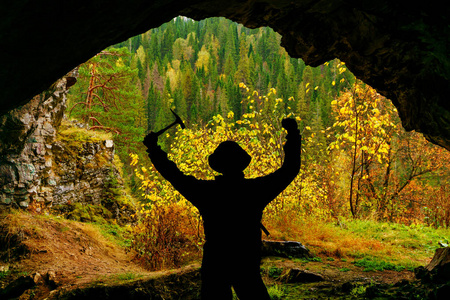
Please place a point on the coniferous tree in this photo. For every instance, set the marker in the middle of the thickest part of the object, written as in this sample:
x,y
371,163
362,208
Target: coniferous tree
x,y
153,103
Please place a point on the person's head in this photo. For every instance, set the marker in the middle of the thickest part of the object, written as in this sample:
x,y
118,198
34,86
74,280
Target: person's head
x,y
229,158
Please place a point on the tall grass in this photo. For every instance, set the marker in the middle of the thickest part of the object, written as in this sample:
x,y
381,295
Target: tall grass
x,y
407,245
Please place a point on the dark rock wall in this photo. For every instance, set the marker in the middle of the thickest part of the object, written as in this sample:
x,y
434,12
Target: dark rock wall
x,y
401,48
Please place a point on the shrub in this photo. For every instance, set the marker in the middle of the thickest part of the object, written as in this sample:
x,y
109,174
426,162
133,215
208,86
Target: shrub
x,y
165,237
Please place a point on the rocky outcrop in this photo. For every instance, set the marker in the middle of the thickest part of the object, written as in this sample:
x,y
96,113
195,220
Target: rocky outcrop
x,y
399,48
79,171
47,162
26,138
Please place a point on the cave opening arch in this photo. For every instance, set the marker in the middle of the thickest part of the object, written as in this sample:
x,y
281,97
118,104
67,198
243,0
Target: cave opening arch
x,y
401,50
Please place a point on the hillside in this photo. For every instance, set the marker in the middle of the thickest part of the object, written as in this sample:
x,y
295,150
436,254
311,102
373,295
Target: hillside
x,y
46,256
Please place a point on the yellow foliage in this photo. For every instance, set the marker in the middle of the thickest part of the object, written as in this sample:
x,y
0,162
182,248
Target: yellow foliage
x,y
261,135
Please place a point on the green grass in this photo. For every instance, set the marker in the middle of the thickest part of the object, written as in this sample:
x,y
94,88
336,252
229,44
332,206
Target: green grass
x,y
401,245
358,290
310,259
272,271
407,246
70,132
126,276
4,274
379,265
117,234
276,291
416,237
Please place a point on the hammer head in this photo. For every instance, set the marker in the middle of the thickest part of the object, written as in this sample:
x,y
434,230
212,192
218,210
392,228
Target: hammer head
x,y
178,119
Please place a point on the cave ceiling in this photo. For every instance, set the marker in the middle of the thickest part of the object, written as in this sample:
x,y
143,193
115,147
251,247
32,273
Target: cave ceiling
x,y
401,48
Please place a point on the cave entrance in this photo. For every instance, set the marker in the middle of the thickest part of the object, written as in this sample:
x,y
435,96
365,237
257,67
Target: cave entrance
x,y
364,180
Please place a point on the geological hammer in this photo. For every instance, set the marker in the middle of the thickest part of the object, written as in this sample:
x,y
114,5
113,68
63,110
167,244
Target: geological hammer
x,y
177,121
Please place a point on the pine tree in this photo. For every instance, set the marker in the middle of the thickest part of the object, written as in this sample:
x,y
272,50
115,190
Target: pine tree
x,y
153,103
243,68
199,58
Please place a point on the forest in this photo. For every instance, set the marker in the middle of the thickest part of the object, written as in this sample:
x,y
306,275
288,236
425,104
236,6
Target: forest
x,y
227,81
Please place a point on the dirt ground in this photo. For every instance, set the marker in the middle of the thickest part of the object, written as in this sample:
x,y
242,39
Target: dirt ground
x,y
61,255
62,252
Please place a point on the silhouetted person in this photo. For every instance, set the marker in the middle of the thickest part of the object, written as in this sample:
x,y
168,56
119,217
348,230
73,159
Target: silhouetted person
x,y
231,207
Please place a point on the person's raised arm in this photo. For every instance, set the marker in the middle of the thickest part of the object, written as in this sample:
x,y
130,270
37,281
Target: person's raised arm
x,y
292,147
272,185
167,168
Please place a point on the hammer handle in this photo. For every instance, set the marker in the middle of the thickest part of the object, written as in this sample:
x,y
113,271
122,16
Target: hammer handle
x,y
263,228
164,129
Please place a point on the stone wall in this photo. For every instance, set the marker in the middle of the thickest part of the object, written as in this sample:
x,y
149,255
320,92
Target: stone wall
x,y
41,167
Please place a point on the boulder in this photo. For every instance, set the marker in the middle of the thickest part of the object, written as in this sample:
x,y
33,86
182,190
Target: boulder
x,y
285,249
300,276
